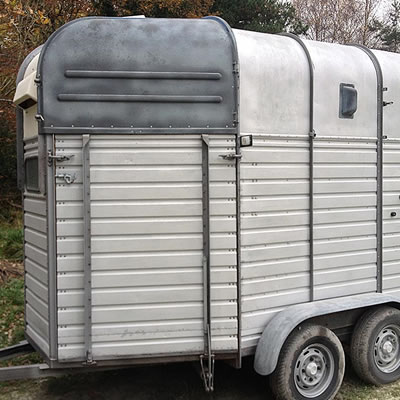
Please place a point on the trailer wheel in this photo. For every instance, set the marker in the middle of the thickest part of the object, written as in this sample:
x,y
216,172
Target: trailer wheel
x,y
310,366
375,346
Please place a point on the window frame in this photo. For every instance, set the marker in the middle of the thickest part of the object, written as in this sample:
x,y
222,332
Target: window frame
x,y
27,187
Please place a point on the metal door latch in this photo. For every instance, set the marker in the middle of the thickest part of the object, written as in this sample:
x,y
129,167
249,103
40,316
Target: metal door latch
x,y
68,178
207,362
207,372
231,157
58,157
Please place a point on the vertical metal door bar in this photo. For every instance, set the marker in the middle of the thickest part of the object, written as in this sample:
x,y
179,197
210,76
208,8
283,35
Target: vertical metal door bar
x,y
87,248
236,124
206,242
312,136
207,369
52,252
379,162
238,253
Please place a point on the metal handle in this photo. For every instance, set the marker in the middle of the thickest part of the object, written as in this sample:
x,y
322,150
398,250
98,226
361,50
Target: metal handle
x,y
393,214
57,157
61,157
230,157
68,178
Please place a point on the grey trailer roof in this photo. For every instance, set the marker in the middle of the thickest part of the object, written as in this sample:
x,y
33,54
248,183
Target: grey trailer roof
x,y
124,75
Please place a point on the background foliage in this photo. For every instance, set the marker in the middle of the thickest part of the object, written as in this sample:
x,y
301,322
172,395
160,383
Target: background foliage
x,y
25,24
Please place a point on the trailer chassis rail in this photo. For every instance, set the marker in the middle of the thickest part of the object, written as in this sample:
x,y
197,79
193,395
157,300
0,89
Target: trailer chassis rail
x,y
34,371
24,371
37,371
16,350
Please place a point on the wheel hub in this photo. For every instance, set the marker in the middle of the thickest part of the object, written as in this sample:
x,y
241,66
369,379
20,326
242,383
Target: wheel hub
x,y
387,349
314,370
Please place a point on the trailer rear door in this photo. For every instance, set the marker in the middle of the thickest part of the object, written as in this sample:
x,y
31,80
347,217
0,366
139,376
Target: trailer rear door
x,y
142,290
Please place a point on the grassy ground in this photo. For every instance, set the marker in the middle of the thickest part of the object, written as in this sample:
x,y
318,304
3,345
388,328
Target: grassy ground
x,y
172,382
11,234
12,287
11,312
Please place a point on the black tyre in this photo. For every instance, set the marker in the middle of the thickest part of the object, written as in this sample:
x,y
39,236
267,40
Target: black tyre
x,y
310,366
375,346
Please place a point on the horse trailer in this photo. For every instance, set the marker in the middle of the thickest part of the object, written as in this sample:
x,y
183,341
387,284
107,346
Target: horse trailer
x,y
196,193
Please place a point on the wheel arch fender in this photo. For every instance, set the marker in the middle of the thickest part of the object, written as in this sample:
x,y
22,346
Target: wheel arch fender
x,y
283,323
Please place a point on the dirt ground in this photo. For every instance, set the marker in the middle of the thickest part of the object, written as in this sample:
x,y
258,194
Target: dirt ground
x,y
171,382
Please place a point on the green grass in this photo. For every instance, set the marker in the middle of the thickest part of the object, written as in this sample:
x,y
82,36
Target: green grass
x,y
11,235
12,291
12,324
354,389
12,312
11,242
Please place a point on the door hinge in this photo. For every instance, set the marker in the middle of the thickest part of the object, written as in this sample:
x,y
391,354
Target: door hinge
x,y
235,119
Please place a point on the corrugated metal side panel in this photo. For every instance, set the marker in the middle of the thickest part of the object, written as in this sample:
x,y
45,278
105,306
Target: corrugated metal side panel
x,y
275,225
275,230
224,324
345,218
391,224
146,247
36,263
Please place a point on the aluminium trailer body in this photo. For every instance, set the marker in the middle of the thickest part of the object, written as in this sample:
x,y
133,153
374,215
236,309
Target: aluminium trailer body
x,y
189,189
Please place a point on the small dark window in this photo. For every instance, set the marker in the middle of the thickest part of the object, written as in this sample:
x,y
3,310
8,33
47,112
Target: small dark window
x,y
348,101
32,174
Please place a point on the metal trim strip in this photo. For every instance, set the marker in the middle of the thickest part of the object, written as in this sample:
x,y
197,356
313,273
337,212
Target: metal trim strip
x,y
52,253
206,243
135,98
393,140
379,178
87,249
214,76
312,136
70,130
316,138
236,74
